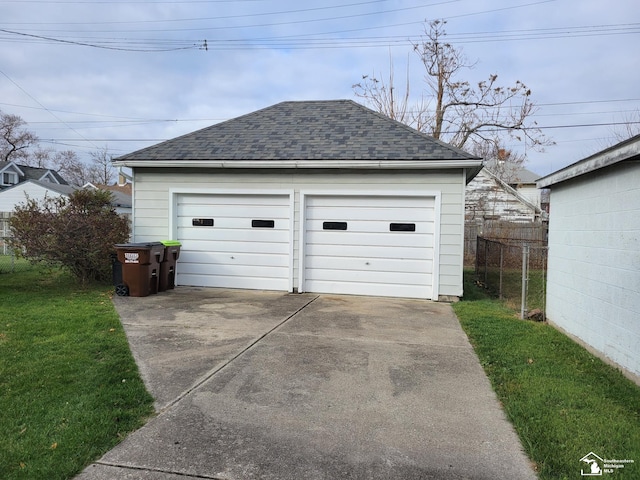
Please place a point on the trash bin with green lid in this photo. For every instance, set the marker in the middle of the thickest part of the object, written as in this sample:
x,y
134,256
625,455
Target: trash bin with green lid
x,y
140,266
168,265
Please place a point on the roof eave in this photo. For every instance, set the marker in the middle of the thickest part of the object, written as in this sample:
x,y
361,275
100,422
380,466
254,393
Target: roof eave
x,y
471,163
618,153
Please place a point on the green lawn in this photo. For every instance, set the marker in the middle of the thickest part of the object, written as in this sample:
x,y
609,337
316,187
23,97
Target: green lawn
x,y
562,401
69,387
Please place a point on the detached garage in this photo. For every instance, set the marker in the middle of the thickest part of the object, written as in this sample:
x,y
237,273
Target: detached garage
x,y
324,196
593,279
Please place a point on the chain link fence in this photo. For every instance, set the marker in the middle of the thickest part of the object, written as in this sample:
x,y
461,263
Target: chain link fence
x,y
515,273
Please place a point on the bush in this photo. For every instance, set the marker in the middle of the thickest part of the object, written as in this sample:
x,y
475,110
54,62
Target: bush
x,y
76,232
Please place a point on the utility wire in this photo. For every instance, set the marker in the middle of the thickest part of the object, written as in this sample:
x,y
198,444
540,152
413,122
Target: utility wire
x,y
45,108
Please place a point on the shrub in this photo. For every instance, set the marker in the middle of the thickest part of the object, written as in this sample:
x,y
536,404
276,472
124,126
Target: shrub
x,y
77,233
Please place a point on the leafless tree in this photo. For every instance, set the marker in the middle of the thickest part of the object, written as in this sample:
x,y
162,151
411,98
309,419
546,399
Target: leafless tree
x,y
15,139
102,170
71,168
475,117
630,127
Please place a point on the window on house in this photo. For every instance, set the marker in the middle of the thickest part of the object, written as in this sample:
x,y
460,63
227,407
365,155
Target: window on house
x,y
9,178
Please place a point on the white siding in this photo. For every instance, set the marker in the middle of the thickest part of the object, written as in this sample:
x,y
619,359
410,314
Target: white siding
x,y
14,196
152,196
594,262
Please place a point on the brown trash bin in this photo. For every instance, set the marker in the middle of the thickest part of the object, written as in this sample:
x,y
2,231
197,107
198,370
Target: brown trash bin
x,y
140,266
168,265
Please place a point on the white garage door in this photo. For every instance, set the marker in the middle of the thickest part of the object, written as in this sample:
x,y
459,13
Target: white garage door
x,y
369,245
234,241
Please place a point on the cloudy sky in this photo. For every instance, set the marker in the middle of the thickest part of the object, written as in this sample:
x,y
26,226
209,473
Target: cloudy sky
x,y
89,74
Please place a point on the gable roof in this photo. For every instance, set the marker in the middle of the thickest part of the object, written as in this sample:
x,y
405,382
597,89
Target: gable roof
x,y
515,194
303,134
32,173
627,150
54,187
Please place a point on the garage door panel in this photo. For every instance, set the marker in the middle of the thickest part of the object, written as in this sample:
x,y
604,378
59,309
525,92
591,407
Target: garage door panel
x,y
235,270
371,252
378,240
361,226
369,256
280,222
219,281
234,212
232,235
381,290
250,199
227,248
234,247
355,201
373,214
223,258
369,264
369,276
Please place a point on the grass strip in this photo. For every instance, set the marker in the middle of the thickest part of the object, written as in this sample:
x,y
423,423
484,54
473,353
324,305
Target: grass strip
x,y
563,402
69,387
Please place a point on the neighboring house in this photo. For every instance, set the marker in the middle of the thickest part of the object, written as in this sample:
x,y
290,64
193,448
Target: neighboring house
x,y
523,181
21,183
319,196
490,198
593,287
12,174
121,195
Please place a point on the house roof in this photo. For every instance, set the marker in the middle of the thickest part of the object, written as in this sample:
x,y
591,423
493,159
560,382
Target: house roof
x,y
33,173
120,197
54,187
525,176
627,150
340,133
120,194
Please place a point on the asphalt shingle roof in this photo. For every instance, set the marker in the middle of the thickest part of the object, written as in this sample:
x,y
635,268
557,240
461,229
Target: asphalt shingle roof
x,y
309,130
34,173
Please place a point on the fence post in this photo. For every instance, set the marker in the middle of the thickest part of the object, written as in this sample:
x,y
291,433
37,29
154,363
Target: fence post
x,y
525,280
477,250
501,268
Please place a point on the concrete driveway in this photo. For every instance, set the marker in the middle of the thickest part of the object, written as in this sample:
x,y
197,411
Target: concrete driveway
x,y
285,386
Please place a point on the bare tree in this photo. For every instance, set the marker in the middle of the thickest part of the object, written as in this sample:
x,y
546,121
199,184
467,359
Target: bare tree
x,y
15,140
472,116
629,128
71,168
102,170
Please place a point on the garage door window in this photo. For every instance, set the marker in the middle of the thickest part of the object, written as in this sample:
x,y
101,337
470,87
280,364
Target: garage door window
x,y
334,225
202,222
263,223
402,227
